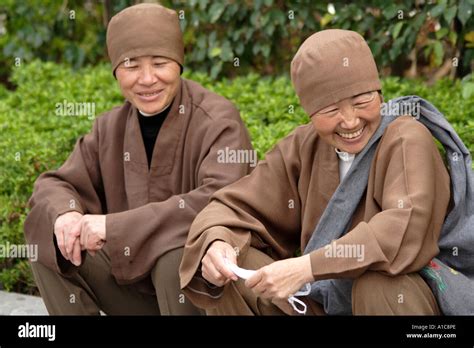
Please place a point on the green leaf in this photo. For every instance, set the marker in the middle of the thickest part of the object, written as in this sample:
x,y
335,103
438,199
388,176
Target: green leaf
x,y
450,13
390,11
438,52
441,33
464,11
453,36
419,20
216,69
256,48
437,10
239,49
396,29
269,29
212,38
468,90
227,53
201,41
266,50
427,51
215,52
395,50
216,10
254,19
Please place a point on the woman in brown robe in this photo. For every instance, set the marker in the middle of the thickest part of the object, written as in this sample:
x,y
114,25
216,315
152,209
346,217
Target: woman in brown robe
x,y
131,188
263,221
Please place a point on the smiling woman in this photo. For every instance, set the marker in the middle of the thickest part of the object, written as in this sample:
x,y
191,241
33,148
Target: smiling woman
x,y
351,180
149,83
122,204
349,124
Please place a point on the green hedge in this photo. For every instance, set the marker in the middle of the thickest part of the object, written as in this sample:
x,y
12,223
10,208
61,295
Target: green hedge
x,y
33,139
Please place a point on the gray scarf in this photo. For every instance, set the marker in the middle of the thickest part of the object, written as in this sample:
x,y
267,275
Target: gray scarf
x,y
451,274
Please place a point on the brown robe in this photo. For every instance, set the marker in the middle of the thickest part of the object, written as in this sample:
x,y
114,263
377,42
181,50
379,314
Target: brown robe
x,y
276,208
149,211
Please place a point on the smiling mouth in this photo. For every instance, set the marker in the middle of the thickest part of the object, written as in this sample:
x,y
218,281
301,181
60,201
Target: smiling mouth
x,y
351,135
149,94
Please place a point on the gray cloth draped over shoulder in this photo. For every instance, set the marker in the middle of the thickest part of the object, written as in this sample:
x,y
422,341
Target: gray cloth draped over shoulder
x,y
451,274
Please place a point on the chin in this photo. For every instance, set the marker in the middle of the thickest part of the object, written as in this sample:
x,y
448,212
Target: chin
x,y
353,149
150,109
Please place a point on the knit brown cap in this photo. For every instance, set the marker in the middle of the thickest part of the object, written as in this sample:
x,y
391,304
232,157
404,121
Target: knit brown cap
x,y
142,30
332,65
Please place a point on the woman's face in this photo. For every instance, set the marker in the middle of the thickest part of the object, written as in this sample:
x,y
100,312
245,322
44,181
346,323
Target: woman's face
x,y
149,83
349,124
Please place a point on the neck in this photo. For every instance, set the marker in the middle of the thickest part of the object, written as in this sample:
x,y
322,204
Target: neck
x,y
159,112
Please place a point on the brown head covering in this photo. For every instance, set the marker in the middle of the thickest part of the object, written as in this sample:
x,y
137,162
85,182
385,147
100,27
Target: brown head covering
x,y
144,29
332,65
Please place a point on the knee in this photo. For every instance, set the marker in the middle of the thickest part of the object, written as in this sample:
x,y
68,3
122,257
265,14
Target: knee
x,y
255,259
370,283
374,293
167,266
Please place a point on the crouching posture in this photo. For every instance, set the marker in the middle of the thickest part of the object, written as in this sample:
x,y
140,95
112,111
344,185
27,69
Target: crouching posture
x,y
352,203
112,221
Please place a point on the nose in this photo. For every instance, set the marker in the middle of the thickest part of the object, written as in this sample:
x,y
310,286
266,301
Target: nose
x,y
147,76
349,117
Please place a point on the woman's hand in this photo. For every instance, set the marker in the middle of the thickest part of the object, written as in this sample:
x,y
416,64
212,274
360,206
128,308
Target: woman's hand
x,y
93,233
67,237
214,268
281,279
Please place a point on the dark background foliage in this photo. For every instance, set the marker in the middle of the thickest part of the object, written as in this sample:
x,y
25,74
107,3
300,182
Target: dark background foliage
x,y
408,38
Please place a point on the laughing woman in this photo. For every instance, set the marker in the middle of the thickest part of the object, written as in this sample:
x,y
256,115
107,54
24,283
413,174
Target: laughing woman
x,y
362,195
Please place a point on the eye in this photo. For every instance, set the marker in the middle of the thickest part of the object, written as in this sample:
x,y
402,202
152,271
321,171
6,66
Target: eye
x,y
362,103
130,65
363,99
329,111
158,64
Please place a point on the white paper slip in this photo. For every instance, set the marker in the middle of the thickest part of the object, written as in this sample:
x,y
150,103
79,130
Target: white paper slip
x,y
240,272
298,305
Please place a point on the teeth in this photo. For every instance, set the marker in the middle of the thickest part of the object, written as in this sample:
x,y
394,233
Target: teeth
x,y
149,94
351,135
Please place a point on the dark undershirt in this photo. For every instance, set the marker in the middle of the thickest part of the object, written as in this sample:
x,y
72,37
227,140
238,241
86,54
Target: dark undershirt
x,y
150,127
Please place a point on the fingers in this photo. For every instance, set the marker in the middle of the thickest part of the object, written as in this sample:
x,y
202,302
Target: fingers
x,y
95,246
214,263
84,236
66,227
71,236
263,290
211,273
93,232
59,233
260,284
254,280
76,253
219,263
273,281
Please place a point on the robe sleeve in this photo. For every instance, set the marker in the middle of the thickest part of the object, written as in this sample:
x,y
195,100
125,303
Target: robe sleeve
x,y
138,237
75,186
243,214
412,190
